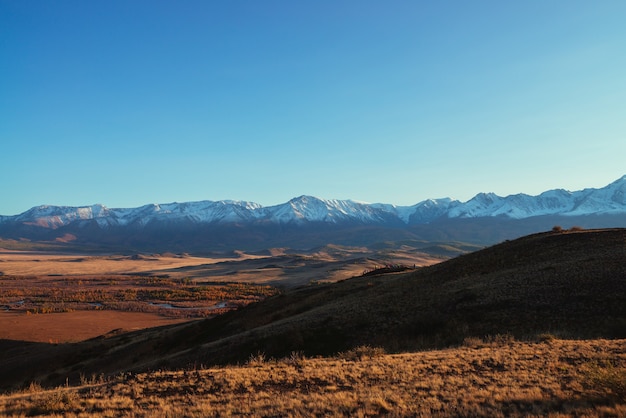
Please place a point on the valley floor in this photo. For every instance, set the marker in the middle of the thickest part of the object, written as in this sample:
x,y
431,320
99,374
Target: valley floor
x,y
500,377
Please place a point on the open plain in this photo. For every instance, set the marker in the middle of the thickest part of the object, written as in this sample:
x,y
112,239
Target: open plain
x,y
59,297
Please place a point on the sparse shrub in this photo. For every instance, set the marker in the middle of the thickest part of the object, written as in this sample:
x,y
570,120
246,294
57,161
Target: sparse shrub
x,y
606,379
545,337
576,228
295,358
55,402
34,387
557,228
257,359
473,342
95,379
362,352
499,340
122,377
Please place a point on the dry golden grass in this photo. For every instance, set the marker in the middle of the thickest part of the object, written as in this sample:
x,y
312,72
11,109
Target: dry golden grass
x,y
17,263
503,377
290,270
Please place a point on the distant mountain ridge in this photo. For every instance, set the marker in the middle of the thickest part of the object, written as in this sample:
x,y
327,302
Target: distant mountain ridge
x,y
307,221
607,200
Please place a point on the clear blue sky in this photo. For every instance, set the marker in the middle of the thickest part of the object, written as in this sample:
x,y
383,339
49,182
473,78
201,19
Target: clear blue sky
x,y
132,102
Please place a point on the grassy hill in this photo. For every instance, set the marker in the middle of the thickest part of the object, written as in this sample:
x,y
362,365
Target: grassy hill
x,y
499,378
568,284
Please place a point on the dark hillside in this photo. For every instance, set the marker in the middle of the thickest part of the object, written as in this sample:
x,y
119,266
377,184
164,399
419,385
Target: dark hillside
x,y
570,284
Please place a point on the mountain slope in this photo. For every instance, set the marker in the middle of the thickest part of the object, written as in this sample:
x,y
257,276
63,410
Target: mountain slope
x,y
571,284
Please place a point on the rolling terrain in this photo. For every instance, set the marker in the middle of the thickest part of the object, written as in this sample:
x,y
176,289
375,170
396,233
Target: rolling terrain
x,y
567,284
58,297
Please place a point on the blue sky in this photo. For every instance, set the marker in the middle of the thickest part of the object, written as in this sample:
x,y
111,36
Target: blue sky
x,y
132,102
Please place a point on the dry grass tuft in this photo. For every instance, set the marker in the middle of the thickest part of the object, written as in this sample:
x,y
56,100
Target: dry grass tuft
x,y
606,378
55,402
362,352
257,359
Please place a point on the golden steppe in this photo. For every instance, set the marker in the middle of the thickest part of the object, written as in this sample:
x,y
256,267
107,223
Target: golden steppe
x,y
238,267
18,263
496,378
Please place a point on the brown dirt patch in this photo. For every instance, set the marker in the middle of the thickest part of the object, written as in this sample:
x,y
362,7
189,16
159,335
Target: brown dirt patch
x,y
74,326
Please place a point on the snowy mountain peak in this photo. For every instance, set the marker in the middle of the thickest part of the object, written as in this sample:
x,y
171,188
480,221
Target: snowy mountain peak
x,y
312,209
305,209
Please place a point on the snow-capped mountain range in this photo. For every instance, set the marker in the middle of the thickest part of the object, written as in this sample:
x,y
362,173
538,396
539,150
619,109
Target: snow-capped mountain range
x,y
306,209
